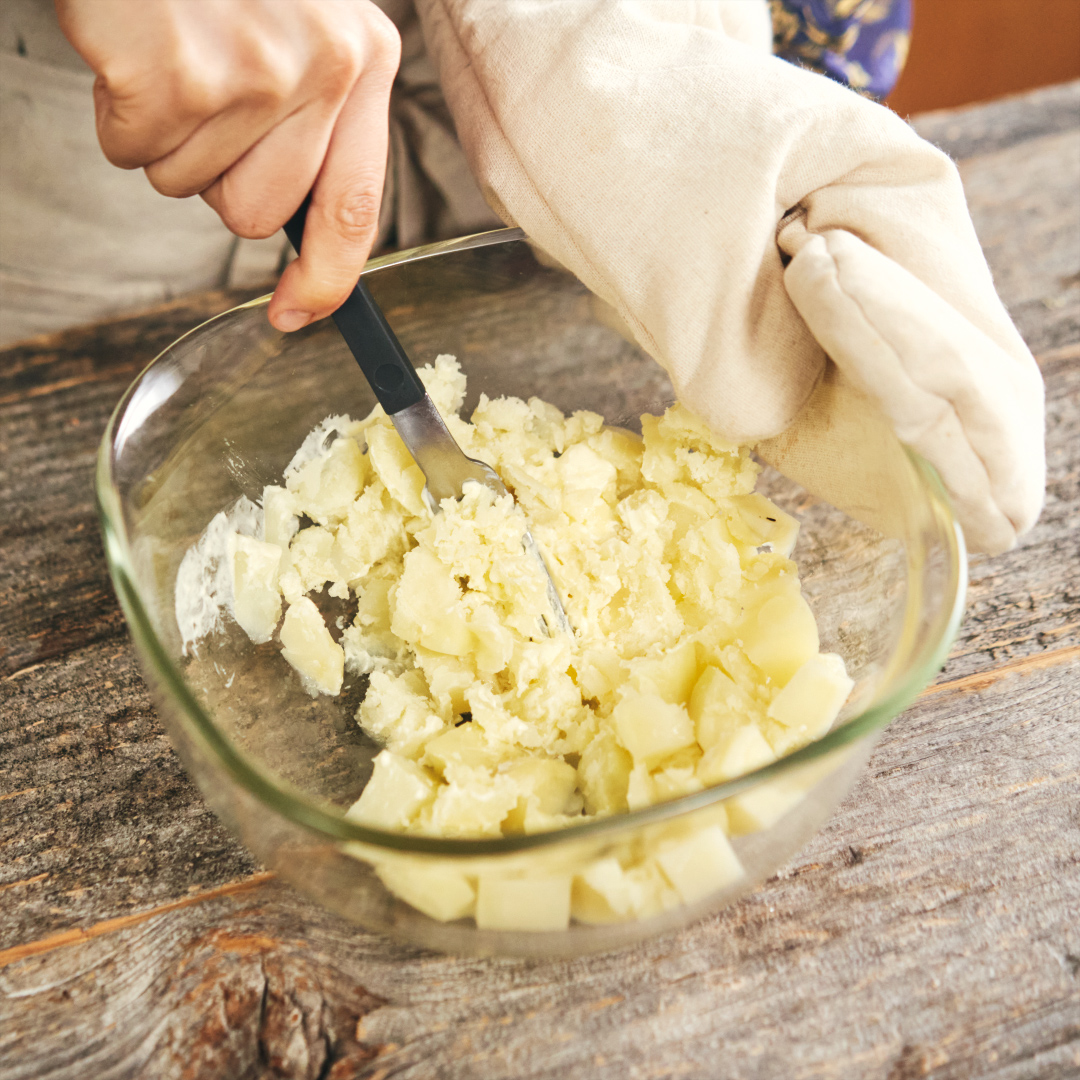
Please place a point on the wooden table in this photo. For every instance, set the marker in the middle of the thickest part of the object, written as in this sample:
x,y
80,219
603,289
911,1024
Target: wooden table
x,y
932,928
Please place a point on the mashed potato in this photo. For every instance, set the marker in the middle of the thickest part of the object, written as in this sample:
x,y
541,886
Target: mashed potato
x,y
693,658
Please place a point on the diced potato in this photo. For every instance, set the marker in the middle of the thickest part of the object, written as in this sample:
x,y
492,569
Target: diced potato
x,y
371,533
718,707
394,795
309,648
394,466
550,782
590,907
525,903
676,780
493,643
707,570
599,672
280,520
445,382
581,425
680,447
604,772
759,521
311,555
474,803
582,469
464,745
603,893
341,477
737,752
645,513
671,675
623,449
652,892
763,805
640,789
651,728
427,606
449,678
256,597
811,700
701,864
781,636
439,893
398,712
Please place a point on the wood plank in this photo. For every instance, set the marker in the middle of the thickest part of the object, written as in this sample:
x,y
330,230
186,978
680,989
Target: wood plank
x,y
930,928
1028,599
1028,221
99,815
56,395
999,125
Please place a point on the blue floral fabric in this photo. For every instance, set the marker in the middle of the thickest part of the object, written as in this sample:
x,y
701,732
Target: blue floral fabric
x,y
861,43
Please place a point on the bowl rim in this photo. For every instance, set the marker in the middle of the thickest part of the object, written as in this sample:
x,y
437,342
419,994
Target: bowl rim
x,y
327,819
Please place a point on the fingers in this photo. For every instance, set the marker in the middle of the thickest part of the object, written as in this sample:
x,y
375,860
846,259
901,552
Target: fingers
x,y
263,189
343,219
150,90
253,103
218,144
276,100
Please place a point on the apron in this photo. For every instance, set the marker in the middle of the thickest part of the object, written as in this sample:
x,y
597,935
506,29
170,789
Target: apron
x,y
81,240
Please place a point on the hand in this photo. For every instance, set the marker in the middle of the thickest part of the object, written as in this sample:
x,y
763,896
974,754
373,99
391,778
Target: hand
x,y
755,226
251,104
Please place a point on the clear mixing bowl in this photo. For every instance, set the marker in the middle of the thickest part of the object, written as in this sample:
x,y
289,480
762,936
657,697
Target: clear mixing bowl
x,y
220,413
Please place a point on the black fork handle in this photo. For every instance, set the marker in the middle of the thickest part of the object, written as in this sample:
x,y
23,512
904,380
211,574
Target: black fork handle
x,y
385,364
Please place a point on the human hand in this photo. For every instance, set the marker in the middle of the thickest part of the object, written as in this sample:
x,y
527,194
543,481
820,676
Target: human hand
x,y
251,104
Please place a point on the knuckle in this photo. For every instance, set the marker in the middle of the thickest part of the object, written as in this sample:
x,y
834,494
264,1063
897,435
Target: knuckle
x,y
243,216
339,65
166,183
270,80
385,44
198,95
118,152
355,216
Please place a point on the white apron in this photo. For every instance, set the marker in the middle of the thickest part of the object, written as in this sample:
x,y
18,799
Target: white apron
x,y
81,240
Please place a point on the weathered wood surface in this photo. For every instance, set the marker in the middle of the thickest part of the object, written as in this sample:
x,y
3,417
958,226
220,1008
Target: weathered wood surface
x,y
933,928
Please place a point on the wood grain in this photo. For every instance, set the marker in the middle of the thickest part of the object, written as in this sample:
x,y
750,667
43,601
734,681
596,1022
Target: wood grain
x,y
978,130
56,395
930,929
925,930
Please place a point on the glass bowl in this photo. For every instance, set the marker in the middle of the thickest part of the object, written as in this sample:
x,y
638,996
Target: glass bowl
x,y
219,415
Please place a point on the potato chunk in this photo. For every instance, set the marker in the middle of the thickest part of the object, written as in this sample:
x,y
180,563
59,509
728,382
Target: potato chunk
x,y
736,752
439,893
603,893
524,903
651,728
701,864
308,646
256,598
427,606
672,675
814,696
394,795
781,636
718,706
762,806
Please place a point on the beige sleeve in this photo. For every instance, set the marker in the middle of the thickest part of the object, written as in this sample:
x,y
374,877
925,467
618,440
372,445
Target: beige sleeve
x,y
653,148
